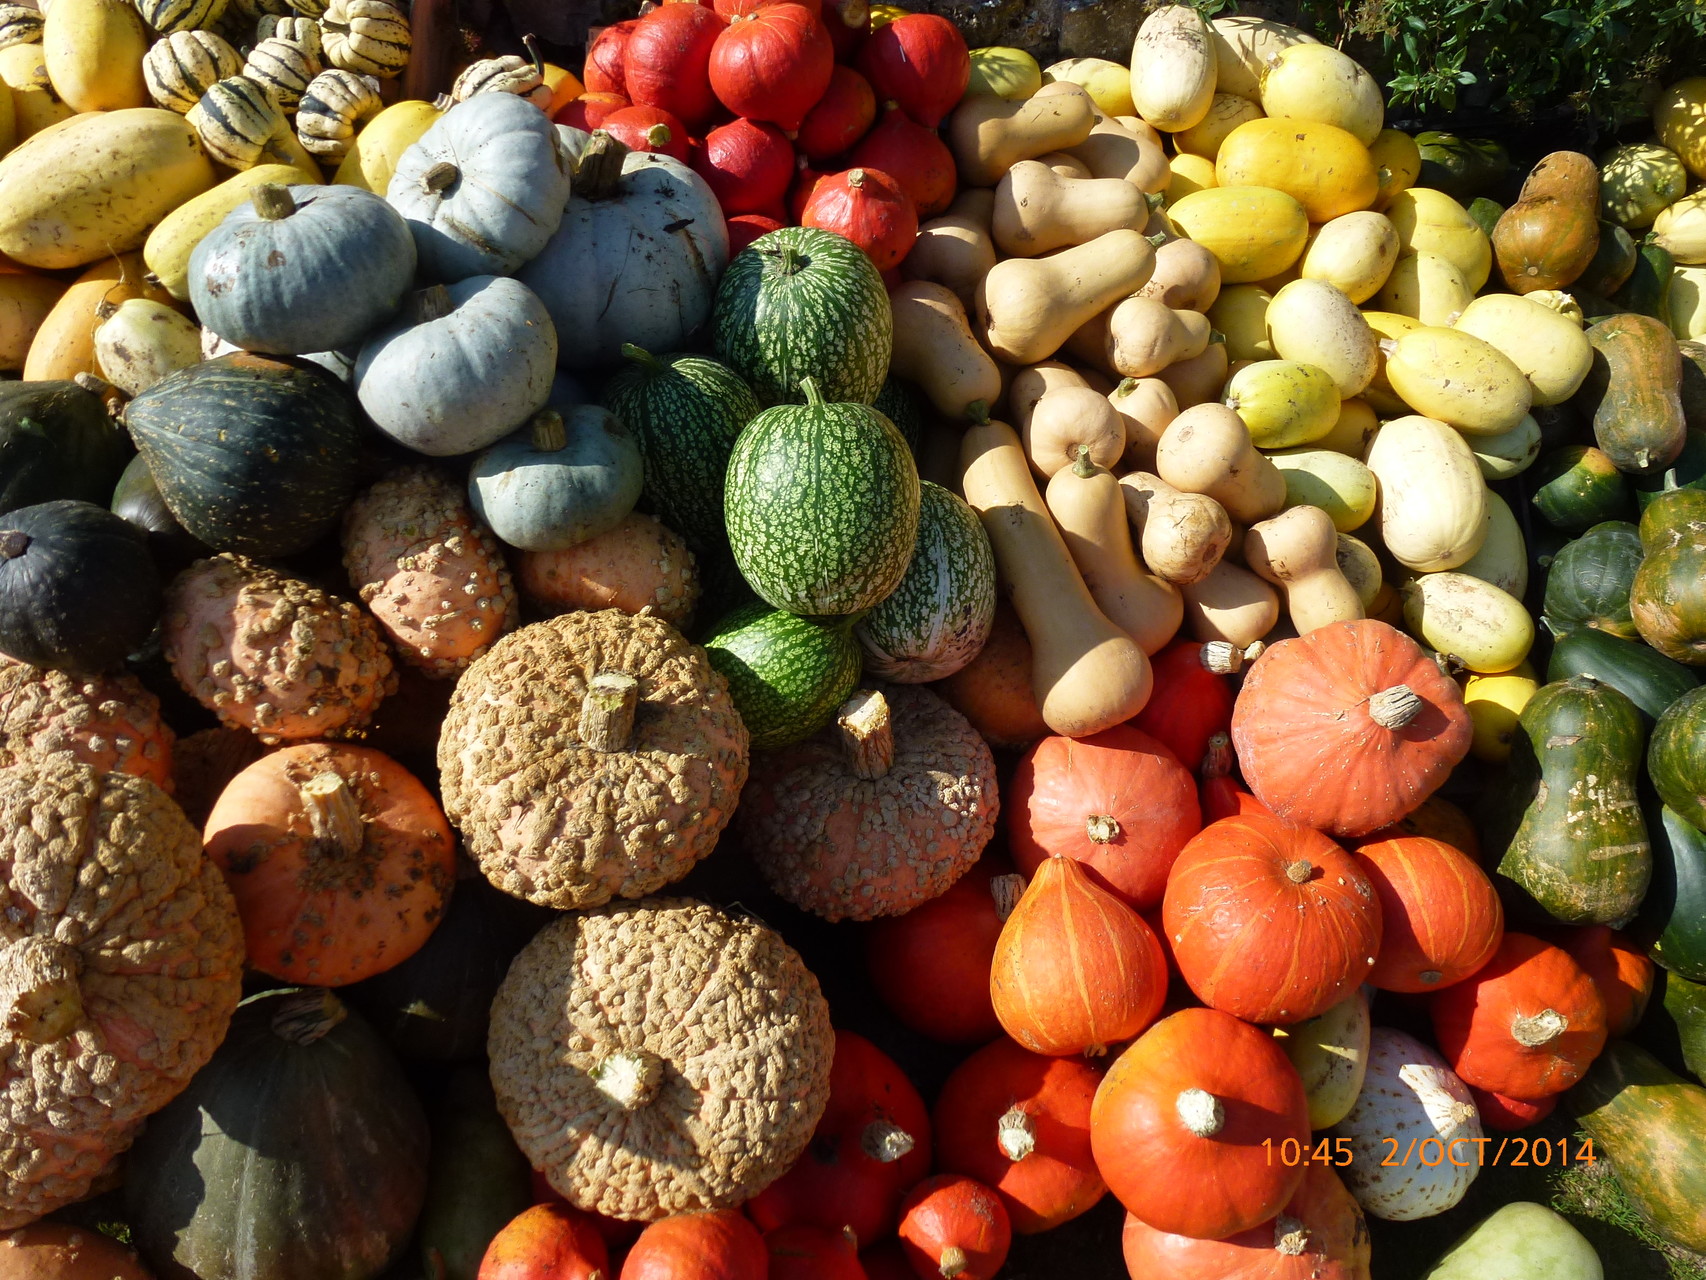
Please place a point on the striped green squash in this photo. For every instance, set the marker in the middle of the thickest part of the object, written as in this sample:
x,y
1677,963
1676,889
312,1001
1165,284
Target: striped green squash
x,y
821,504
787,675
687,411
903,404
804,303
937,620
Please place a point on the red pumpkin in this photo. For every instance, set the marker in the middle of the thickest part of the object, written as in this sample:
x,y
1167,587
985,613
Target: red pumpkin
x,y
1348,728
1440,915
841,117
801,1252
732,9
747,165
917,157
1527,1025
871,1145
804,183
1075,968
919,61
773,65
1193,698
1622,973
590,110
849,23
548,1240
603,72
1186,1122
1270,922
869,208
886,1262
648,129
1117,801
667,61
744,228
716,1244
1319,1235
952,1226
1217,793
1020,1123
1509,1114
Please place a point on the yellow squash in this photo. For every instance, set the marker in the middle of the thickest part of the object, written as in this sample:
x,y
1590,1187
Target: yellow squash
x,y
35,105
1494,703
1322,166
1255,232
372,157
93,50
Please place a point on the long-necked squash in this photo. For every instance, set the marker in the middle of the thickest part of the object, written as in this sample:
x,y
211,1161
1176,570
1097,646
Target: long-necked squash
x,y
1297,551
1634,391
988,135
1068,419
1114,151
1182,535
1028,307
1032,383
1147,405
1207,449
1230,603
934,348
956,249
1038,210
1145,336
1199,379
1550,235
1088,674
1433,506
64,346
1186,276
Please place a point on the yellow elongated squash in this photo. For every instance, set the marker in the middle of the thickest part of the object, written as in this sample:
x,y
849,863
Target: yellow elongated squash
x,y
1173,68
1255,232
1321,166
93,50
168,247
372,157
34,103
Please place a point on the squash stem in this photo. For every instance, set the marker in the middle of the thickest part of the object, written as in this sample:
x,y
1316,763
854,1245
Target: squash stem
x,y
1101,828
531,43
885,1142
303,1016
1299,872
440,177
41,1000
1222,657
1006,890
630,1078
547,431
1016,1133
1395,707
640,356
1291,1237
13,543
599,169
607,711
954,1262
867,734
1540,1028
273,201
808,386
431,304
334,814
659,135
1200,1112
1217,757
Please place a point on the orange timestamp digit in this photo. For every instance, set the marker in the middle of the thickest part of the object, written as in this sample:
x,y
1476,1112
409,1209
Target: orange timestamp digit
x,y
1326,1151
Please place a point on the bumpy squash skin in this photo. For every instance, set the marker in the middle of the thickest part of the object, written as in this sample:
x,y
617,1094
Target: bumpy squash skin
x,y
1633,391
1565,823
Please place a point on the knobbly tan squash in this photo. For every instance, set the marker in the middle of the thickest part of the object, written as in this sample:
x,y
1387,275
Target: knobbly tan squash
x,y
1201,378
1186,276
1030,384
1114,151
1145,335
934,348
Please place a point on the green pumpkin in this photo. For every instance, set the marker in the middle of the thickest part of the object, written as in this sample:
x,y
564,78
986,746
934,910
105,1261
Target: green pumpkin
x,y
1578,486
1651,680
57,440
1687,472
1463,168
787,675
1674,1027
1668,597
477,1178
1520,1241
137,498
1673,914
1676,757
1588,583
903,404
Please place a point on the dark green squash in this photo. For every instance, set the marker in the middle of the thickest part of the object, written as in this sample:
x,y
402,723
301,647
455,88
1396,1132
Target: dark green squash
x,y
1693,381
1461,167
1588,582
137,498
1648,1121
1563,821
1578,486
1676,757
787,675
1673,914
903,404
1676,1030
78,589
1633,389
1613,262
252,453
1651,680
1668,598
1485,213
1560,424
298,1153
477,1178
1648,287
1687,472
57,440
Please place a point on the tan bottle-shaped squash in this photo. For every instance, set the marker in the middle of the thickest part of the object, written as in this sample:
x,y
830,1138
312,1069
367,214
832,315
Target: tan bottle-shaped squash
x,y
1433,501
1031,383
1063,164
1088,674
1173,68
1068,419
1230,603
1207,449
956,249
1028,307
1146,335
989,135
1186,276
1088,506
1147,406
64,345
26,300
1181,536
934,349
93,50
1037,210
1297,551
1201,378
1114,151
35,105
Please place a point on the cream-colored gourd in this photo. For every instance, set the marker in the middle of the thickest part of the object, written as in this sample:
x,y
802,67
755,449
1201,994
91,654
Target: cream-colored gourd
x,y
1145,336
1240,313
168,247
1508,453
1186,277
1108,83
1425,287
1028,307
93,51
1433,502
1230,603
989,135
1207,449
1685,303
1201,378
1355,427
1297,551
956,249
1064,165
1181,536
1173,68
1379,392
1680,230
1557,300
1066,419
1330,1052
1503,557
1188,173
1030,384
1088,508
1638,181
1254,232
1317,82
1429,221
1243,48
1114,151
143,341
1225,113
1323,167
1086,673
1458,378
1361,568
1341,486
1486,629
1037,210
1284,403
1354,253
1312,322
1147,406
934,349
1397,163
35,105
1550,349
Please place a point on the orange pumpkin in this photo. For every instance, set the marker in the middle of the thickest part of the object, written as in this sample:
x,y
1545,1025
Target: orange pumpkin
x,y
1441,919
1509,1114
1348,728
1621,971
715,1244
547,1240
954,1226
1437,818
1270,922
800,1251
340,860
993,690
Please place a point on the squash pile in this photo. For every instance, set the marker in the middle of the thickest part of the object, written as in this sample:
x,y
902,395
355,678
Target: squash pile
x,y
1210,622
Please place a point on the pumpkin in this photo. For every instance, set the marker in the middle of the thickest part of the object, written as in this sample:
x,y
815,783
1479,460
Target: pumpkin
x,y
1510,1114
919,160
840,117
744,228
56,441
1208,1099
1019,1123
562,479
649,129
367,37
78,589
546,1240
334,106
1193,698
638,563
919,61
81,980
1621,971
585,113
1270,922
483,189
295,1066
1116,801
605,54
1526,1025
111,723
63,1251
1075,969
748,166
954,1226
1348,728
1440,915
867,207
666,62
773,64
800,1251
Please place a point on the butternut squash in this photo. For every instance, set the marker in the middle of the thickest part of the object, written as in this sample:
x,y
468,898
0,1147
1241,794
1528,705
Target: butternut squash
x,y
64,345
1253,231
1030,384
93,50
1354,253
989,135
935,350
1297,551
1201,378
1456,377
1551,234
35,104
1087,674
1318,83
1230,603
1186,277
1425,287
956,249
26,300
1432,509
1067,419
168,247
1146,406
1207,449
1321,166
1037,210
1028,307
1173,68
1061,163
1313,322
1182,536
1114,151
1146,335
1429,221
1243,48
1225,113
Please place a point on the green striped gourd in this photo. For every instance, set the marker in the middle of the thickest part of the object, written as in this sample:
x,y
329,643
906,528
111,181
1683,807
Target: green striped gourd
x,y
903,404
787,675
821,504
368,37
235,120
937,620
802,303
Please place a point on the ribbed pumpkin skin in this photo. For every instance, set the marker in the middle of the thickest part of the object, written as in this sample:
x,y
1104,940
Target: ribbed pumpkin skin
x,y
1588,583
1620,971
1255,943
1676,757
252,454
1440,916
787,675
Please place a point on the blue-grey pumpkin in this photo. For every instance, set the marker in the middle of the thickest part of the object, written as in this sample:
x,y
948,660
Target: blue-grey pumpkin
x,y
466,364
483,189
568,476
302,268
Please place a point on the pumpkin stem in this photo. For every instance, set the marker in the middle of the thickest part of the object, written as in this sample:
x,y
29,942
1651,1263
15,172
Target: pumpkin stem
x,y
303,1016
978,412
607,711
1216,337
1540,1028
1158,239
429,304
39,991
640,356
273,201
1222,657
1217,757
1083,465
659,135
1016,1133
13,543
599,167
1006,890
89,382
334,814
1299,871
531,44
547,431
954,1262
1200,1112
1101,828
1395,707
856,178
440,177
105,309
853,13
814,397
885,1142
1291,1237
630,1078
867,734
1387,346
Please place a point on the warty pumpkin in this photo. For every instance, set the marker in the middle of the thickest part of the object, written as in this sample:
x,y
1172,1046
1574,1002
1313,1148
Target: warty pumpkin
x,y
110,722
61,1249
638,563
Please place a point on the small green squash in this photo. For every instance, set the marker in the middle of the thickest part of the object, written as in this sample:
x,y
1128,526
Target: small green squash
x,y
137,498
1647,289
477,1178
1588,584
1520,1241
1651,680
1668,598
1633,391
562,479
57,441
1676,757
1330,1052
1613,262
787,675
1673,914
1687,472
1675,1025
1578,486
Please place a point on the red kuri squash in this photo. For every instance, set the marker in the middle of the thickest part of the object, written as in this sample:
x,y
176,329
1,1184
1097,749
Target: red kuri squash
x,y
1508,1114
1440,915
744,228
590,110
841,117
1438,819
954,1228
804,1252
648,129
773,65
667,61
869,208
732,9
916,156
919,61
805,180
849,23
548,1240
715,1244
747,165
1620,970
604,55
1193,697
887,1262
